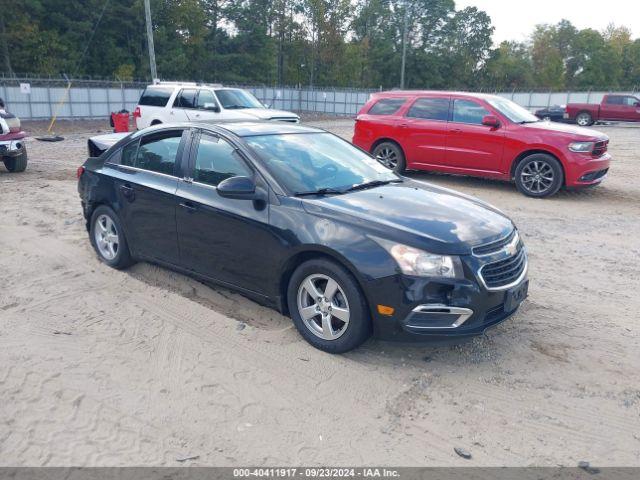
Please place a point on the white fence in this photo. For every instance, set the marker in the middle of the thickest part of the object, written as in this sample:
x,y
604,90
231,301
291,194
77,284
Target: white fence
x,y
91,100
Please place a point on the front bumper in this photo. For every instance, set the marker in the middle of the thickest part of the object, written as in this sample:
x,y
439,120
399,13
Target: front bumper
x,y
426,307
584,170
11,148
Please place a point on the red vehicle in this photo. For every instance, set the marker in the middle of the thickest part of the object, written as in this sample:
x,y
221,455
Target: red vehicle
x,y
621,108
480,135
13,151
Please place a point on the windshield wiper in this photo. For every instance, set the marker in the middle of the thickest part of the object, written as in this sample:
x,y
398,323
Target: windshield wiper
x,y
529,121
320,191
371,184
236,107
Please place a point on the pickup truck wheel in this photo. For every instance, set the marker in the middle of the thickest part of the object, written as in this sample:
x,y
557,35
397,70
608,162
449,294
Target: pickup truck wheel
x,y
539,175
391,156
108,240
584,119
16,164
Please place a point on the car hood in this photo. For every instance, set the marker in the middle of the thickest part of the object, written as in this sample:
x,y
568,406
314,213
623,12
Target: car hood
x,y
421,215
566,129
269,114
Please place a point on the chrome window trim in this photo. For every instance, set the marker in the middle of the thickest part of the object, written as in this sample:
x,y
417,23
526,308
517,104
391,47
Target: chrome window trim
x,y
137,169
464,315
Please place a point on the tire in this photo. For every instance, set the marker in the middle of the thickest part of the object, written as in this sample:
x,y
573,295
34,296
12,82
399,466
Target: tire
x,y
17,164
155,122
539,175
584,119
344,331
391,156
116,256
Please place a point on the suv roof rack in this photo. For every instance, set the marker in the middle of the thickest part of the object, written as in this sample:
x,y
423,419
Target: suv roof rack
x,y
190,84
176,83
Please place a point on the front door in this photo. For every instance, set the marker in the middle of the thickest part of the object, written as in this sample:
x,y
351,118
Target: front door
x,y
206,108
472,146
423,133
146,183
228,240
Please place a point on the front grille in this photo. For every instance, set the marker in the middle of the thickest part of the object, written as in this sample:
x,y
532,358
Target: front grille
x,y
600,148
493,247
504,272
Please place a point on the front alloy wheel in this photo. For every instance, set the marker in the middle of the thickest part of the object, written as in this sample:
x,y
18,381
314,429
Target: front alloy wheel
x,y
327,306
539,175
323,306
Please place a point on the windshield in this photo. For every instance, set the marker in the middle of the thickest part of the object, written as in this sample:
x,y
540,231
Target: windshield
x,y
309,162
233,99
512,110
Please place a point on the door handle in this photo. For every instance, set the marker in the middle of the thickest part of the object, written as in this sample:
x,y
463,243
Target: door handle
x,y
403,125
128,192
456,130
189,207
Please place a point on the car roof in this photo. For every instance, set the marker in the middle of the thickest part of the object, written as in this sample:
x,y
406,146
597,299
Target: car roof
x,y
238,128
176,86
433,93
249,129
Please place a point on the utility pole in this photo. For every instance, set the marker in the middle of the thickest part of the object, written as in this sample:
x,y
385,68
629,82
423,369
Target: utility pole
x,y
152,53
404,42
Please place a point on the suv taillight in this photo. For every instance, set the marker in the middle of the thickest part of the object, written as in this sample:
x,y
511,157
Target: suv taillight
x,y
136,113
79,172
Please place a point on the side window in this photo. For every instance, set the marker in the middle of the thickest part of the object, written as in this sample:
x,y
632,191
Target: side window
x,y
186,99
467,111
612,100
430,109
630,101
128,156
387,106
155,96
217,160
206,99
158,152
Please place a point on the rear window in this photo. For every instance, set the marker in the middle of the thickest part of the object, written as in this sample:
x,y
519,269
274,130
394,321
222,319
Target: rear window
x,y
155,96
387,106
430,109
186,99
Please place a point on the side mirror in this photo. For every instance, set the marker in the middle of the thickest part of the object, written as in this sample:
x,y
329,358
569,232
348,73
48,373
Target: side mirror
x,y
212,106
637,104
491,121
239,188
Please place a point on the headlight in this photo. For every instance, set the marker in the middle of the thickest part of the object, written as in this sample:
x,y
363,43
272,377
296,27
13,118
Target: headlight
x,y
413,261
581,147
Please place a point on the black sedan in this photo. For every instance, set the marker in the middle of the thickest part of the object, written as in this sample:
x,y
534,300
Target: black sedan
x,y
301,220
554,113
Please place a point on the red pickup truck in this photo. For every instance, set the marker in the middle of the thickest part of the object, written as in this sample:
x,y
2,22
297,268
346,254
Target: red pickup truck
x,y
621,108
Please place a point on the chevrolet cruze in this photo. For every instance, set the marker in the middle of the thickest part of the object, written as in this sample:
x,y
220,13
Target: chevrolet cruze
x,y
300,220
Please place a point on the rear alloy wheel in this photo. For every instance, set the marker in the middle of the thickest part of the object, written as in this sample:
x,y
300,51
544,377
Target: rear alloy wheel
x,y
327,307
390,155
584,119
539,175
108,240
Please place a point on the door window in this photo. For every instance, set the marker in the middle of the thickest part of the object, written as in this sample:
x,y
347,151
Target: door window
x,y
217,160
630,101
128,156
430,109
158,152
206,99
468,111
614,100
186,99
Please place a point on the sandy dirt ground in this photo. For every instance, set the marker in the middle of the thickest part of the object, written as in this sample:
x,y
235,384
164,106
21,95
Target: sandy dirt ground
x,y
148,367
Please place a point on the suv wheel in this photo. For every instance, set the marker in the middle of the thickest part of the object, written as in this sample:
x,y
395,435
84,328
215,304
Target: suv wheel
x,y
584,119
327,306
391,156
107,238
539,175
16,164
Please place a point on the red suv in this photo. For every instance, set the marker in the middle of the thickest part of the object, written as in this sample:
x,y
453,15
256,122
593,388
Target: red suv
x,y
480,135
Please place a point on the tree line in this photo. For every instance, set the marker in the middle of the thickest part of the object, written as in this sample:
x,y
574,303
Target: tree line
x,y
342,43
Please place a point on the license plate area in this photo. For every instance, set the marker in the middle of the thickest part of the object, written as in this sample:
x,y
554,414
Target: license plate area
x,y
516,296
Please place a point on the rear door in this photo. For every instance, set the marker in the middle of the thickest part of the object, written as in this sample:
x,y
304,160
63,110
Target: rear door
x,y
472,146
146,182
423,131
612,108
183,106
630,111
228,240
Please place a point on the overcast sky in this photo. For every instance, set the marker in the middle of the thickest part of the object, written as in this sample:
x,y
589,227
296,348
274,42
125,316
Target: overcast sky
x,y
515,19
